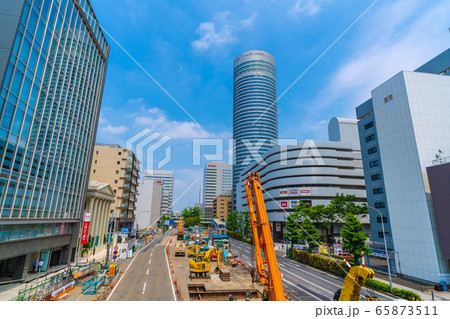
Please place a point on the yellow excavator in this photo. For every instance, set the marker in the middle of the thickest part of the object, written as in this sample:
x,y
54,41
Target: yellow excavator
x,y
354,281
200,265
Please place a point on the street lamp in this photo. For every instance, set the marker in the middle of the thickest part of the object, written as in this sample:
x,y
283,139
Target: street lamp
x,y
385,247
140,212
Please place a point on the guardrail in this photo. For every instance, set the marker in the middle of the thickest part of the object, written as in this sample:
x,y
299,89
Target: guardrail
x,y
42,288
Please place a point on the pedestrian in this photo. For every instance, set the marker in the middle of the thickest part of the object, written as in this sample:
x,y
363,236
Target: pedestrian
x,y
41,263
35,263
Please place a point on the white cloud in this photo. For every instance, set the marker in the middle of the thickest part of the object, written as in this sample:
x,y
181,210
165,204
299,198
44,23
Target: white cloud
x,y
307,7
155,119
248,22
114,129
220,31
102,120
209,37
401,42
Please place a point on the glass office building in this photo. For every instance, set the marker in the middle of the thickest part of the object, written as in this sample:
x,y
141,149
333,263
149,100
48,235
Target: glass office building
x,y
255,124
53,61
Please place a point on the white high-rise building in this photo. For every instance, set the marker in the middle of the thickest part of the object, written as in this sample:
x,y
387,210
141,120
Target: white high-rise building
x,y
148,205
167,190
216,181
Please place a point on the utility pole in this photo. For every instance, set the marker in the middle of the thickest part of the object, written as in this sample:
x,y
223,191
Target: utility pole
x,y
109,235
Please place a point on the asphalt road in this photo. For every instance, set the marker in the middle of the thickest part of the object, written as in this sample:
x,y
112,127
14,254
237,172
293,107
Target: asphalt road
x,y
303,282
147,277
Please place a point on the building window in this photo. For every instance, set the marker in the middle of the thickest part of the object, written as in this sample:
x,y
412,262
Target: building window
x,y
120,153
115,191
115,182
118,162
388,98
370,137
374,163
378,190
368,125
117,172
380,234
96,152
372,150
375,177
380,205
95,162
379,220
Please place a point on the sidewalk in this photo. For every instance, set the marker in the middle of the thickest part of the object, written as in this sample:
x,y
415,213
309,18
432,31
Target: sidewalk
x,y
11,291
412,286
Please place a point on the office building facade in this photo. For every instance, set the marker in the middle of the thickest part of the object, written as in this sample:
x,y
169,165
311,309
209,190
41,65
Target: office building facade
x,y
255,123
167,177
408,117
312,172
53,59
148,206
118,167
217,179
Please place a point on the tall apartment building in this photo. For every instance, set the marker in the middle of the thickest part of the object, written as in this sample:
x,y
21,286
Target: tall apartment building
x,y
217,179
53,60
149,202
255,123
222,206
312,172
402,127
118,167
167,177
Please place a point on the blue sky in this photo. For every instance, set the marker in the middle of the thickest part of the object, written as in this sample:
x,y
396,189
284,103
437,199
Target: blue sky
x,y
188,47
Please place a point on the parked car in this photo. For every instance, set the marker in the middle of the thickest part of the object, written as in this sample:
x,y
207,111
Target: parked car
x,y
346,255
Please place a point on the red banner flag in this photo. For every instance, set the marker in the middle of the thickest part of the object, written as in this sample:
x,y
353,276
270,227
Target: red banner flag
x,y
84,234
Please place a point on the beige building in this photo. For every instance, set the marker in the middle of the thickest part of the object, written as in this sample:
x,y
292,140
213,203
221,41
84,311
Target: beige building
x,y
118,167
222,205
99,198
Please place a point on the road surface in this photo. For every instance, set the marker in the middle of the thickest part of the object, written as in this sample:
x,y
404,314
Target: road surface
x,y
147,277
303,282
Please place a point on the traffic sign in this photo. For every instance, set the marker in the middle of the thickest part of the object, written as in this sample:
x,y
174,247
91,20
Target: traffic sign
x,y
116,247
124,231
115,252
115,257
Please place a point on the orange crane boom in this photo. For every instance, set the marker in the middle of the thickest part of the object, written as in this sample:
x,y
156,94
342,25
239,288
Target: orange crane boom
x,y
264,240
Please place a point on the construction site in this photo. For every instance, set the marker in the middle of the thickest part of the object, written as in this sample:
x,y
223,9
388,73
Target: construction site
x,y
204,267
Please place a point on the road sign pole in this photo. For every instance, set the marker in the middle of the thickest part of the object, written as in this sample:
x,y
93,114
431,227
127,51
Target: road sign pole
x,y
109,235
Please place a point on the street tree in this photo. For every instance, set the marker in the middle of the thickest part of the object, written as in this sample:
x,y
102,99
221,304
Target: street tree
x,y
309,233
292,227
232,222
354,237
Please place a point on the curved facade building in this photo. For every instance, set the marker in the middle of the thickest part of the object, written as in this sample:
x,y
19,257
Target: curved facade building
x,y
311,171
255,124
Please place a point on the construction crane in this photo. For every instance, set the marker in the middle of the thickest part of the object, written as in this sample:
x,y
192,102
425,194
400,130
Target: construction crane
x,y
180,235
262,239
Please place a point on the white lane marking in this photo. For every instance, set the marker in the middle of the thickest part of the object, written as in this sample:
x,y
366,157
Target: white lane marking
x,y
149,261
143,290
311,274
147,271
151,254
303,279
294,285
170,276
112,292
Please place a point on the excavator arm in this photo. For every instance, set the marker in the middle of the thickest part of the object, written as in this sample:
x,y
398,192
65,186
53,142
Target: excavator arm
x,y
260,224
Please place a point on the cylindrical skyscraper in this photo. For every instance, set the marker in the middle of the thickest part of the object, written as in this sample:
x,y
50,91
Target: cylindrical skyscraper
x,y
255,124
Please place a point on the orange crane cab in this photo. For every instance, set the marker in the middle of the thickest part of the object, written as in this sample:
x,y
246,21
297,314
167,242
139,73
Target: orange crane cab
x,y
262,239
180,235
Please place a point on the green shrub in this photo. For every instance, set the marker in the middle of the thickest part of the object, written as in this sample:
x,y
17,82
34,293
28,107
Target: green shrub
x,y
405,294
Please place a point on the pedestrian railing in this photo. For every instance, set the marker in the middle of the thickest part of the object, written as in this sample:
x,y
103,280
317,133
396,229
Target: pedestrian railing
x,y
41,288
